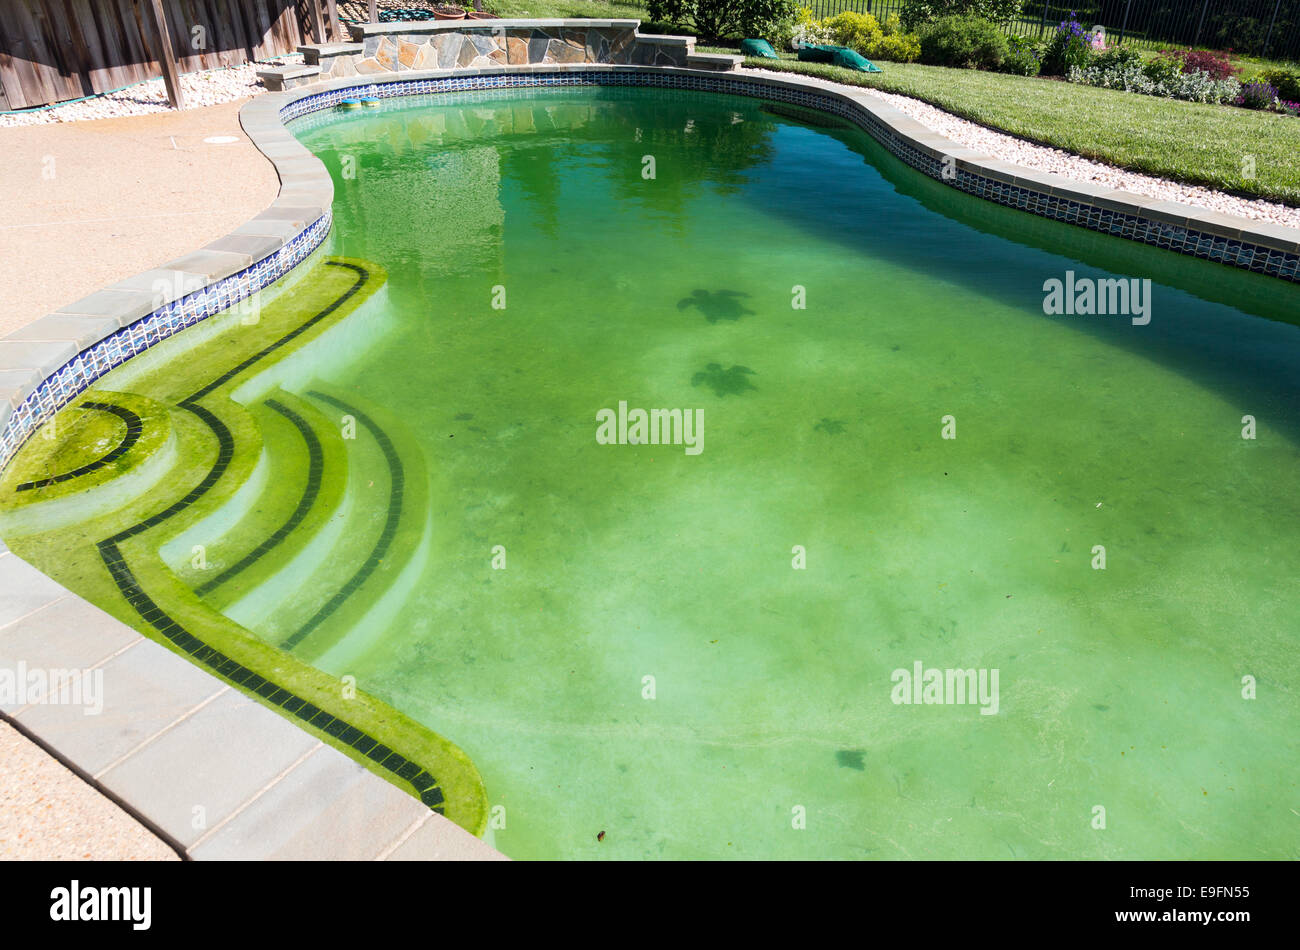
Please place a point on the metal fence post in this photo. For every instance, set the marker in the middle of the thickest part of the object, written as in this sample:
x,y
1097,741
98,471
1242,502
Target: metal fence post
x,y
1124,25
1200,23
1269,35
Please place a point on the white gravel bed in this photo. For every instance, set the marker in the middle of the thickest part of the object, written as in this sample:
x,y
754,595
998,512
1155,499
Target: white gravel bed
x,y
1008,148
209,88
1068,165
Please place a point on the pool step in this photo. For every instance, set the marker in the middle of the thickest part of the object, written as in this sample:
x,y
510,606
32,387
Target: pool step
x,y
271,519
339,579
287,599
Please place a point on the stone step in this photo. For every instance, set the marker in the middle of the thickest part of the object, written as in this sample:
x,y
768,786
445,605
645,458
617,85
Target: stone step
x,y
717,62
666,39
279,78
313,53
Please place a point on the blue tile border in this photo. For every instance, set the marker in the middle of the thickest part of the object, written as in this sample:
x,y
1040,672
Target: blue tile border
x,y
80,373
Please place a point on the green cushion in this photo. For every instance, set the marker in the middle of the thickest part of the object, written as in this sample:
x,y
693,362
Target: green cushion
x,y
850,59
758,48
816,54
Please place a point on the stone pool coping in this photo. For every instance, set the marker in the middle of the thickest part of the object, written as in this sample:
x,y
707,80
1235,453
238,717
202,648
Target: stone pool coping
x,y
274,790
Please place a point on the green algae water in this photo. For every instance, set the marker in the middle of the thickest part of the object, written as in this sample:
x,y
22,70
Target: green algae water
x,y
903,464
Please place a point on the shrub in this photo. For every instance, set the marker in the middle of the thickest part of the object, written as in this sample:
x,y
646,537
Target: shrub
x,y
807,31
1022,56
862,32
1070,47
1117,56
1287,83
898,48
891,25
1163,69
963,41
1258,95
1196,86
917,13
1216,64
712,19
854,30
781,34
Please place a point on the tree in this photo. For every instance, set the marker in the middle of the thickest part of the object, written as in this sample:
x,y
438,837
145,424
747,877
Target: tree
x,y
714,19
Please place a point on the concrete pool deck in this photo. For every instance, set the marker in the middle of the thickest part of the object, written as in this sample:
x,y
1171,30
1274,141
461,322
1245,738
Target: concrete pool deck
x,y
72,230
171,193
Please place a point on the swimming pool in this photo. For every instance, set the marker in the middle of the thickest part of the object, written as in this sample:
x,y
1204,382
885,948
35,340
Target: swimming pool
x,y
902,460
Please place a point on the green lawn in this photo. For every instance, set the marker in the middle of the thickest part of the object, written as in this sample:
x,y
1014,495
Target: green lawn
x,y
1187,141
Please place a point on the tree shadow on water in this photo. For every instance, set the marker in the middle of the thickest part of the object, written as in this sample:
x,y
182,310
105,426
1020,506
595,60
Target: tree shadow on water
x,y
716,304
724,382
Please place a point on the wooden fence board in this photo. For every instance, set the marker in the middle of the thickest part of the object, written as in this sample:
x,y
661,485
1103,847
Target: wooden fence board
x,y
54,50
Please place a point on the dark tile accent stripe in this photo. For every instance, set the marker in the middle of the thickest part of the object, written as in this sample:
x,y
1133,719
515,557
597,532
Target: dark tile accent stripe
x,y
218,662
134,427
315,468
395,496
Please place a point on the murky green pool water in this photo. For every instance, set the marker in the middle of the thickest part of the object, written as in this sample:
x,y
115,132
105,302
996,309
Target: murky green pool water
x,y
694,653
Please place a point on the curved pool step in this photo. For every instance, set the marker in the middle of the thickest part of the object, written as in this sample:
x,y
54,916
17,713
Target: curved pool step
x,y
341,578
289,596
401,553
137,450
305,468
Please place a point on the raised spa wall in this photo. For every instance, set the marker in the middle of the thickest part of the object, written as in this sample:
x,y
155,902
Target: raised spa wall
x,y
382,48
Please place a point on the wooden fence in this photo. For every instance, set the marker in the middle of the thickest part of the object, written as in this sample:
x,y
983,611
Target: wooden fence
x,y
54,50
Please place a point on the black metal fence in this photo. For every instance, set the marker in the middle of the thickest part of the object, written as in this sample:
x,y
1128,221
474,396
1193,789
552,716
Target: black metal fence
x,y
1268,28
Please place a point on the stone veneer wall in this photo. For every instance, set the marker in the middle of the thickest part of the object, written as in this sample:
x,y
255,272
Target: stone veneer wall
x,y
476,44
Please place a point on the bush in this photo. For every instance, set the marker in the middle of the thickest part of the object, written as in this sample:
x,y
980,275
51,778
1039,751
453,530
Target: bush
x,y
1196,86
1069,48
807,31
1216,64
854,30
963,41
780,34
1286,83
917,13
1022,56
1258,95
713,19
862,33
898,48
1163,69
1117,56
